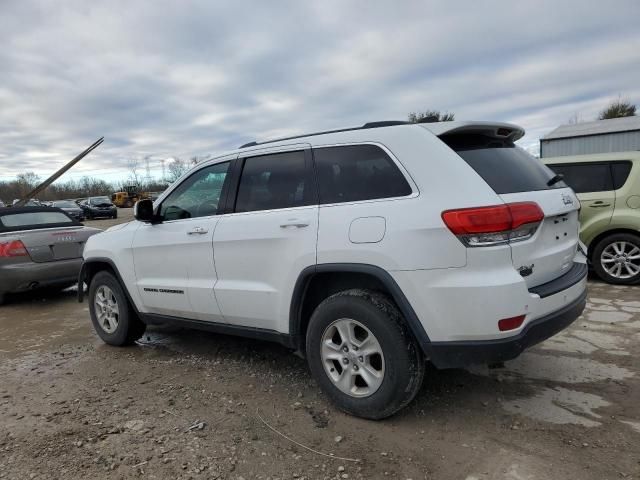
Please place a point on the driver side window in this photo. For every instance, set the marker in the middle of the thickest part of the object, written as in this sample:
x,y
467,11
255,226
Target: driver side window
x,y
197,196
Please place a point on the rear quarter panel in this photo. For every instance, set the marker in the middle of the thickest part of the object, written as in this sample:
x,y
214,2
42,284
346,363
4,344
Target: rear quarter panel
x,y
415,236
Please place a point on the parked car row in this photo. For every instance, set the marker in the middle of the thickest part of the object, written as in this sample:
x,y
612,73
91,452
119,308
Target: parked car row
x,y
79,209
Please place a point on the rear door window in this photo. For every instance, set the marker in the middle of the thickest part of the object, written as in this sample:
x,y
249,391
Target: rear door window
x,y
274,181
357,172
620,172
586,177
506,167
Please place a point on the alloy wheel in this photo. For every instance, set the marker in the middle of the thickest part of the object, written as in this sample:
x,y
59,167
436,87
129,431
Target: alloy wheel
x,y
106,309
621,259
352,358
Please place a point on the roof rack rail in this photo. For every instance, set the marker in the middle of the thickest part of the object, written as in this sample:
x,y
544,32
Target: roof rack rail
x,y
387,123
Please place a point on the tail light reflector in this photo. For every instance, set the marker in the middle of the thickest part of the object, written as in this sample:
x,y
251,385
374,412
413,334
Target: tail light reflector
x,y
494,225
14,248
510,323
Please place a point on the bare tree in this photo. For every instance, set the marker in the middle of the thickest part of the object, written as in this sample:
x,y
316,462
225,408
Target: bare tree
x,y
618,108
430,116
574,119
175,169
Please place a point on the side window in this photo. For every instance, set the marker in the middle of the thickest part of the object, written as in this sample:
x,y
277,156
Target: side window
x,y
620,171
273,181
197,196
586,177
357,172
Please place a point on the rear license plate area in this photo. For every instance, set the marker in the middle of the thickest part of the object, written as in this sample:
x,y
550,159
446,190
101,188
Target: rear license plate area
x,y
66,250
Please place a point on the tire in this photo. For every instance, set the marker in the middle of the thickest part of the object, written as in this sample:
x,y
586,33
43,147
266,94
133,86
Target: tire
x,y
400,366
613,248
128,204
127,327
115,215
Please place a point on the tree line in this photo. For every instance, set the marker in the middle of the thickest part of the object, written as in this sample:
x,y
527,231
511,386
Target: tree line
x,y
70,189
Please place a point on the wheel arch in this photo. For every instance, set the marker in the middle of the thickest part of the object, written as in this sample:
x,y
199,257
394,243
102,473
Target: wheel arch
x,y
602,235
91,267
317,282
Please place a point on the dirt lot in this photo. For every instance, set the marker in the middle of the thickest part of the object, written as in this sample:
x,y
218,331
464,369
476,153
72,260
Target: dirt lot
x,y
184,404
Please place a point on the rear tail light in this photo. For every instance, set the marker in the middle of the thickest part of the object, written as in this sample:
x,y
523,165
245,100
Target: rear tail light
x,y
13,249
510,323
494,225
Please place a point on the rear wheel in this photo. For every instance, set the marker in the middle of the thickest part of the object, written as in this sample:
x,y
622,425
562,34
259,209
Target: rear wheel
x,y
113,317
616,259
363,355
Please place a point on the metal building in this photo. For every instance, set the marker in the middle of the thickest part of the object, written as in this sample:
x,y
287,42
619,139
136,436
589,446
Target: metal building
x,y
601,136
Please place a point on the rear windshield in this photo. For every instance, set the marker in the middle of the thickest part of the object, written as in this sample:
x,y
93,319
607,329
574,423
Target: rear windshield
x,y
65,204
30,219
504,166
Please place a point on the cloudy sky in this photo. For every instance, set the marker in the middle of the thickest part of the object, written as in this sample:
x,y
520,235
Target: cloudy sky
x,y
181,78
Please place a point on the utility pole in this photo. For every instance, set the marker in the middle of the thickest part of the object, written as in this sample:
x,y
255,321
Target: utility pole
x,y
146,162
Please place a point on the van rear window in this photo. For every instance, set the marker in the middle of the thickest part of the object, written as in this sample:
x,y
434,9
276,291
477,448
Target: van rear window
x,y
506,167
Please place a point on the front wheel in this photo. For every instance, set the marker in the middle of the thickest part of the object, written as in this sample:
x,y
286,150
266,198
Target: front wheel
x,y
363,355
113,317
616,259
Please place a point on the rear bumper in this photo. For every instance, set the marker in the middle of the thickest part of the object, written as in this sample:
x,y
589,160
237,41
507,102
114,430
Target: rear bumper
x,y
460,354
29,275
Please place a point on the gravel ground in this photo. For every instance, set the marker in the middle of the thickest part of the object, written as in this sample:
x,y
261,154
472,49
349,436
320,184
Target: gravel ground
x,y
185,404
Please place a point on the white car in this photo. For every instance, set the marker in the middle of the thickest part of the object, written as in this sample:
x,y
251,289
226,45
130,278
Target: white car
x,y
369,250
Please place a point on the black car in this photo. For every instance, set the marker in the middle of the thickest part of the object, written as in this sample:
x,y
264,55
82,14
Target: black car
x,y
70,208
95,207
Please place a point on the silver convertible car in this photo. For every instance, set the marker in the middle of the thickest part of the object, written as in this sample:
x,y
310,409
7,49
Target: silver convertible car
x,y
39,247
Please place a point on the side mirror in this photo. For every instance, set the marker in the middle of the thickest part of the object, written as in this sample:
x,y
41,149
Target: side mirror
x,y
143,211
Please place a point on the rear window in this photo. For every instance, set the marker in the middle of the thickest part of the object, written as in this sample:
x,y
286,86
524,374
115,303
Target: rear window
x,y
65,204
594,176
620,171
357,172
33,219
506,167
586,177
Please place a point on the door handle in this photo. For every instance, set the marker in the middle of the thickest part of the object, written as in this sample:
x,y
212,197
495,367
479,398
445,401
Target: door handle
x,y
294,223
599,204
197,231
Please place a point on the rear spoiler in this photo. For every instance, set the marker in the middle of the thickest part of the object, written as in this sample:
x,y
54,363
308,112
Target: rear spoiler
x,y
507,131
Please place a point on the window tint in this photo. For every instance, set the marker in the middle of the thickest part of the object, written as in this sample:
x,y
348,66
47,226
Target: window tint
x,y
504,166
198,195
99,201
34,218
586,177
273,181
357,172
620,171
65,204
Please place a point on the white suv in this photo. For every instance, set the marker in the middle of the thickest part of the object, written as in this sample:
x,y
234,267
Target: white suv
x,y
369,250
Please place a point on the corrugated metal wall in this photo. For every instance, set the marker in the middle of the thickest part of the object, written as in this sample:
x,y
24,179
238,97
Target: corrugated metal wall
x,y
604,143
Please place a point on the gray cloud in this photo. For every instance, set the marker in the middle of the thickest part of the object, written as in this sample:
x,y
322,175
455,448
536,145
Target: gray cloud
x,y
178,78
